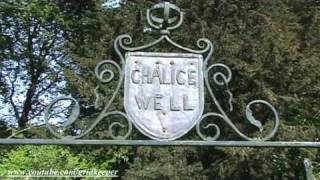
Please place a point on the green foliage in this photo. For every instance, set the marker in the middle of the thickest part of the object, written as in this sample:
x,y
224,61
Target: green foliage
x,y
42,158
109,158
29,158
272,48
262,163
165,163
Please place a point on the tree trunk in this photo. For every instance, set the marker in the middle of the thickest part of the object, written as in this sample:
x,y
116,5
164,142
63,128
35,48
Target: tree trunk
x,y
27,106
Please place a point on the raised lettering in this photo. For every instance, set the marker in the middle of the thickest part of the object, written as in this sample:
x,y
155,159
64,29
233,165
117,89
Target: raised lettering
x,y
173,107
133,76
157,102
178,77
143,102
156,74
165,80
186,105
146,75
192,77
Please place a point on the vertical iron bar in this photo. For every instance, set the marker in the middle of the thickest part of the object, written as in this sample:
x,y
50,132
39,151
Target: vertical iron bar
x,y
308,168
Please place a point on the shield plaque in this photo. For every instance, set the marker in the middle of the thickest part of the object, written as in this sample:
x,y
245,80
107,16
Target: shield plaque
x,y
163,94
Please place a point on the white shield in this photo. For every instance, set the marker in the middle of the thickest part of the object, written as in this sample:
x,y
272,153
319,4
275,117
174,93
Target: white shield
x,y
163,94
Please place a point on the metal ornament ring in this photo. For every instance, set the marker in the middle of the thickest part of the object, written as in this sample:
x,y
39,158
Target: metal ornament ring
x,y
71,119
164,23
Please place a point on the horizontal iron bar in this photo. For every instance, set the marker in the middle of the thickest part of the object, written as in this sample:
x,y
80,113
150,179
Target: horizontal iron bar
x,y
283,144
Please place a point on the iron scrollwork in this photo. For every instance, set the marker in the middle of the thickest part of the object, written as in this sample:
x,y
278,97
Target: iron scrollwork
x,y
172,18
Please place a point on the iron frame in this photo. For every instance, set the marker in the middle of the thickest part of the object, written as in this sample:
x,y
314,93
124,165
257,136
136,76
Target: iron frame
x,y
122,45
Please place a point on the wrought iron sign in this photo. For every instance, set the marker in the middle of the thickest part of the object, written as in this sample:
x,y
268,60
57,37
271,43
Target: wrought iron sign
x,y
164,95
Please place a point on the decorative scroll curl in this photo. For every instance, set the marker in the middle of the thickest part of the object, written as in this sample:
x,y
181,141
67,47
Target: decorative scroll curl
x,y
219,77
217,129
105,75
75,115
257,123
226,119
124,41
223,79
115,124
122,44
100,74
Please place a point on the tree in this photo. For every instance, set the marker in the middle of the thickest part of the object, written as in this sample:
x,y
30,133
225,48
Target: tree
x,y
31,58
272,49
